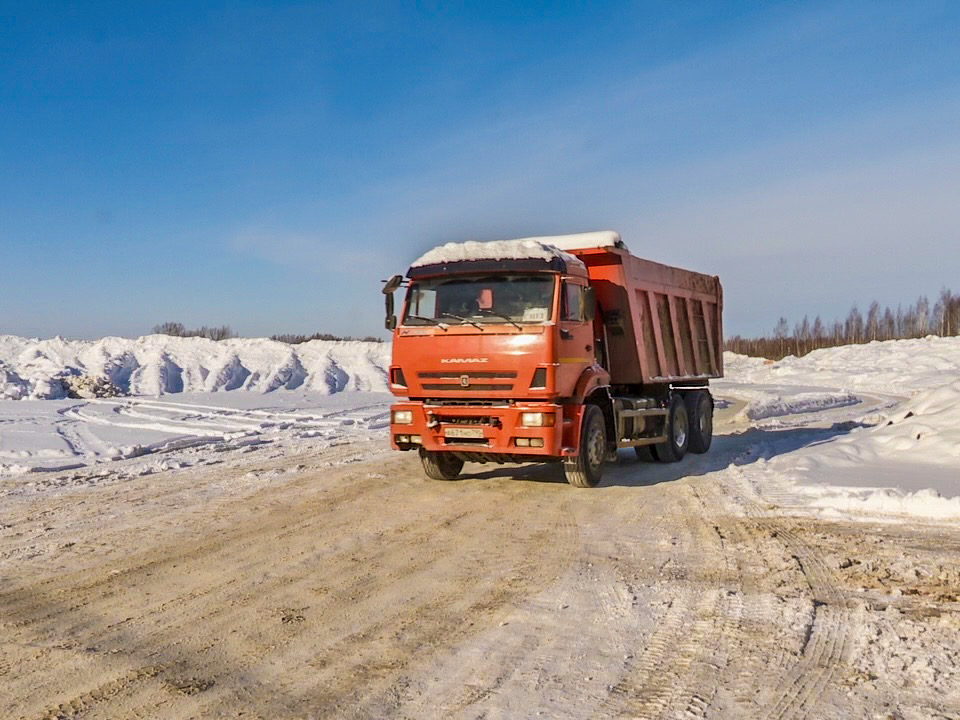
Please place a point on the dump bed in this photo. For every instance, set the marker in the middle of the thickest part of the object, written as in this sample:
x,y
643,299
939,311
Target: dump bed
x,y
662,324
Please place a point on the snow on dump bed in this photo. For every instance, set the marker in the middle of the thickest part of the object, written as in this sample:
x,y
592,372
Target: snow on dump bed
x,y
523,249
159,364
576,241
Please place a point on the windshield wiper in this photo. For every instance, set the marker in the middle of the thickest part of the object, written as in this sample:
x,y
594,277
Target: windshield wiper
x,y
463,319
428,319
484,311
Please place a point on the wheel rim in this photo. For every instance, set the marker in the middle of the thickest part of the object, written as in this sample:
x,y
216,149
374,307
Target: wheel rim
x,y
679,429
595,449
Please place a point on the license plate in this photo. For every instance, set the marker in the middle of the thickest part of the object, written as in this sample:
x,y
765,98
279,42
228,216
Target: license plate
x,y
460,432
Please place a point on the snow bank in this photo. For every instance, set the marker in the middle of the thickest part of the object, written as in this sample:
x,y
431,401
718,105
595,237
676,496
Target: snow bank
x,y
926,429
804,402
160,364
908,464
525,249
897,367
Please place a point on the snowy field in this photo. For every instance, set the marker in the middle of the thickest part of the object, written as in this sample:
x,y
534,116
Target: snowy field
x,y
865,430
181,402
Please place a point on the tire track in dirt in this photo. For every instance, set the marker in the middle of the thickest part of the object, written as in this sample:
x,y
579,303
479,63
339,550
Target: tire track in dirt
x,y
830,630
668,675
163,636
452,582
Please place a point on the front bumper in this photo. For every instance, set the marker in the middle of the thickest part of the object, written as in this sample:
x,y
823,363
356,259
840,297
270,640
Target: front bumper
x,y
498,429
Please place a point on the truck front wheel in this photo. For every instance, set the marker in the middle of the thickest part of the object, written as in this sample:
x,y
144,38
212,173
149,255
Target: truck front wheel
x,y
440,465
678,433
585,470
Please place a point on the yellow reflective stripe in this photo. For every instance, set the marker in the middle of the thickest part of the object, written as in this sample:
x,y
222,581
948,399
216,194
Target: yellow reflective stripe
x,y
573,360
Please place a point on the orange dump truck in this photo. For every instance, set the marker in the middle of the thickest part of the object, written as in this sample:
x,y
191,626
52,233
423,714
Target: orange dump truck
x,y
554,349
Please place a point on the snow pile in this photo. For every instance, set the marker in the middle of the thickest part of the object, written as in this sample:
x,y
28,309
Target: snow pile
x,y
907,464
12,386
803,402
159,364
525,249
898,367
89,387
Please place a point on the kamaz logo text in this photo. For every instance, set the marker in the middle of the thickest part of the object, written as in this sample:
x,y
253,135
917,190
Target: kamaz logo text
x,y
464,360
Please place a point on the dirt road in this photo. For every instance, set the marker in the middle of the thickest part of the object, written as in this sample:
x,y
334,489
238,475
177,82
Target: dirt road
x,y
362,590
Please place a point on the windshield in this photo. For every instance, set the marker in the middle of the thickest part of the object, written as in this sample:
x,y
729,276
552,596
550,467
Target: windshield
x,y
480,299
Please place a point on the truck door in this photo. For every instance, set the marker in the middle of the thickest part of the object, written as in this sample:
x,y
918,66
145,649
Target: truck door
x,y
575,342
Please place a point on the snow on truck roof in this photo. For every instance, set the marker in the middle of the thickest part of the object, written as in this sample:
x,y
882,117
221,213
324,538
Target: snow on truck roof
x,y
545,248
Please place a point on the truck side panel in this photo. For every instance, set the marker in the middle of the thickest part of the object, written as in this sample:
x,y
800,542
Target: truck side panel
x,y
663,324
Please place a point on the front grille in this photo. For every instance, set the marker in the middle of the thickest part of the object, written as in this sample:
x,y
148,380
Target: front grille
x,y
465,402
471,375
464,420
472,387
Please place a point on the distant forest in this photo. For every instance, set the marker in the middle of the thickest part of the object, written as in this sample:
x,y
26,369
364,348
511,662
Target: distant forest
x,y
915,321
224,332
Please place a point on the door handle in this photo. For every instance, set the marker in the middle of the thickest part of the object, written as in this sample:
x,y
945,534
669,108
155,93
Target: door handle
x,y
565,334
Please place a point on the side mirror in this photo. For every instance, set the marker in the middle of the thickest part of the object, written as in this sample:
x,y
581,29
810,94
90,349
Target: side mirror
x,y
589,304
388,289
391,321
392,284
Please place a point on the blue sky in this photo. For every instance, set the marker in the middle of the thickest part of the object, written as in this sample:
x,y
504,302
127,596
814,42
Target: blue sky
x,y
265,165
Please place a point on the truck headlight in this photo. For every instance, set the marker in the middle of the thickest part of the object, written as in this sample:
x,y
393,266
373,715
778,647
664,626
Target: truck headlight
x,y
536,419
403,417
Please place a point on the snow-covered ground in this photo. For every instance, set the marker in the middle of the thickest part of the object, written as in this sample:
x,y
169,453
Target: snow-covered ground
x,y
157,433
865,430
181,398
895,367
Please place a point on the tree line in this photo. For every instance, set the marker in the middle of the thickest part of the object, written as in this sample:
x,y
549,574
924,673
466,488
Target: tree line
x,y
297,339
176,329
224,332
914,321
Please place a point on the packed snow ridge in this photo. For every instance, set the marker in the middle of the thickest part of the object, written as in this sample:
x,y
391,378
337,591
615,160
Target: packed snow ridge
x,y
160,364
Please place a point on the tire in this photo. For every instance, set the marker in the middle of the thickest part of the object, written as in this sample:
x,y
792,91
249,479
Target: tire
x,y
644,453
586,470
700,410
678,433
440,465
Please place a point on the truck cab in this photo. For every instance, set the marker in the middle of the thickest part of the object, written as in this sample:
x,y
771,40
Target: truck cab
x,y
500,354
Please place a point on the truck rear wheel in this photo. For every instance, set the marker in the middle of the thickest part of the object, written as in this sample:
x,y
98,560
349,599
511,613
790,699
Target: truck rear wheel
x,y
440,465
585,470
644,453
700,411
678,433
